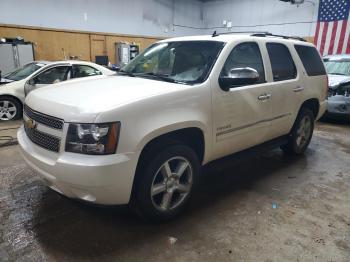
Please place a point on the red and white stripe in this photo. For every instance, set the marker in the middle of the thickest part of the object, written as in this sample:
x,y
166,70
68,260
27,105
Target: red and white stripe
x,y
333,37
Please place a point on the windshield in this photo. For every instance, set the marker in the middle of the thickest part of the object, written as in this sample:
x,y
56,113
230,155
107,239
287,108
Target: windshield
x,y
338,67
23,72
187,62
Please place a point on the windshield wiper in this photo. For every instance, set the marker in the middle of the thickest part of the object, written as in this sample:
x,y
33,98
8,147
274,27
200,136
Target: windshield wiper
x,y
126,73
158,76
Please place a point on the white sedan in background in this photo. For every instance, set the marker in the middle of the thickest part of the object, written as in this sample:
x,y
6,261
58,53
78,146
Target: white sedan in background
x,y
16,85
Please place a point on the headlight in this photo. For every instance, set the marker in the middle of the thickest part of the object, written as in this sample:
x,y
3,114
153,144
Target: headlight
x,y
93,139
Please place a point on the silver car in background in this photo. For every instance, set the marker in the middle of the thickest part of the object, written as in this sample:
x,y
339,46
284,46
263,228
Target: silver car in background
x,y
338,69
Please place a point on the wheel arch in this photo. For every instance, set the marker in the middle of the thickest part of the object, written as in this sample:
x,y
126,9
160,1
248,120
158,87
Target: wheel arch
x,y
13,97
190,135
313,104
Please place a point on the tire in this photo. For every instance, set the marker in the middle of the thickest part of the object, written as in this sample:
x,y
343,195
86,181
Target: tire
x,y
10,108
301,134
171,191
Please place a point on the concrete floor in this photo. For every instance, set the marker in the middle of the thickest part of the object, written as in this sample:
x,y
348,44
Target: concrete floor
x,y
231,219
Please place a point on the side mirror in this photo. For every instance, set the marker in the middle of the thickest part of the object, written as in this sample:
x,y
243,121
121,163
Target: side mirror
x,y
31,82
238,77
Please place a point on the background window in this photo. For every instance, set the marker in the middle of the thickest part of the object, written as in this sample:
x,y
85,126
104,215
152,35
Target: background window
x,y
283,67
84,71
311,60
245,55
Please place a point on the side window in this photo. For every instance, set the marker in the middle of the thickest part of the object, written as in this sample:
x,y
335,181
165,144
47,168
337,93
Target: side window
x,y
245,55
84,71
283,67
52,75
311,60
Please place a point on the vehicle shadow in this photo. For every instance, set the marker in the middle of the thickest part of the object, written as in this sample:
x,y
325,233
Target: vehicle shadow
x,y
335,120
74,230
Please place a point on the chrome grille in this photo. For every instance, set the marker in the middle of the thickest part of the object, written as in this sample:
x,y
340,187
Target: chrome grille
x,y
43,140
50,121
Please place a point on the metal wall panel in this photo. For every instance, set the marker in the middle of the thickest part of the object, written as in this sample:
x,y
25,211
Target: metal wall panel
x,y
25,54
7,61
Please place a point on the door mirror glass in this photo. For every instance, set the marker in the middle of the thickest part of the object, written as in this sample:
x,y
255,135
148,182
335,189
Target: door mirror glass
x,y
239,77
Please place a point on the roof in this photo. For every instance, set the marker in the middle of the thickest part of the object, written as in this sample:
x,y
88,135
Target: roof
x,y
103,69
227,37
42,62
71,62
219,38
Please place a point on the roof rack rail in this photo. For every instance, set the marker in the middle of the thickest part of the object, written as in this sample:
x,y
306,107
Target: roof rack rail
x,y
281,36
239,32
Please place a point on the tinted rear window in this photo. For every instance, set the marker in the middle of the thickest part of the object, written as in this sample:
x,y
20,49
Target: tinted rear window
x,y
282,63
311,60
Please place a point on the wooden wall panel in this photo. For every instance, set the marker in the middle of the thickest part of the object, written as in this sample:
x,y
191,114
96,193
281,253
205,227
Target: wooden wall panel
x,y
97,46
52,44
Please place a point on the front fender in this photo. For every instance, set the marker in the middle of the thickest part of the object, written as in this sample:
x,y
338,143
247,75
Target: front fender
x,y
176,127
15,89
144,120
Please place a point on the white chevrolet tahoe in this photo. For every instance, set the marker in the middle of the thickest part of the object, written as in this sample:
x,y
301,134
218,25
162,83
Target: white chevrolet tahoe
x,y
141,137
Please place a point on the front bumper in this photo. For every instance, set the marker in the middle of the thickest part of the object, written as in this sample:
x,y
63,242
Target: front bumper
x,y
339,105
103,180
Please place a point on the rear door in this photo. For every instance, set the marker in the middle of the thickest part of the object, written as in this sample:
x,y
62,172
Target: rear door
x,y
286,88
84,71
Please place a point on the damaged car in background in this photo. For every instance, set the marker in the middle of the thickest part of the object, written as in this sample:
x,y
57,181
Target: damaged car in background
x,y
338,69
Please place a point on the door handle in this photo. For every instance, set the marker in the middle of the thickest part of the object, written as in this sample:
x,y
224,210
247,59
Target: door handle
x,y
264,97
298,89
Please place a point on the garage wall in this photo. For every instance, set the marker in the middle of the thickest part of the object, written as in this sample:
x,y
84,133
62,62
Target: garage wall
x,y
262,15
162,18
52,44
113,16
86,28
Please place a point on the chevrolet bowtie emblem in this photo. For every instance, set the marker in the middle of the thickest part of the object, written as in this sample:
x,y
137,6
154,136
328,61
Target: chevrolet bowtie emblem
x,y
31,124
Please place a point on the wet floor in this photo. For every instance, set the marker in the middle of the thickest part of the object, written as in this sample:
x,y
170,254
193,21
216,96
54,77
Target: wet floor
x,y
265,208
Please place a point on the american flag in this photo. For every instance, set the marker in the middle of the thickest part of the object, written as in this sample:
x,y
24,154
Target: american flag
x,y
333,29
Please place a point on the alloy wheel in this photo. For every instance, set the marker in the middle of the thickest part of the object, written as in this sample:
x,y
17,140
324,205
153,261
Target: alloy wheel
x,y
304,131
172,184
8,110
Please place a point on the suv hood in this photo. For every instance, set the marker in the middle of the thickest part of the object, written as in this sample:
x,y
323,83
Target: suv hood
x,y
82,100
335,80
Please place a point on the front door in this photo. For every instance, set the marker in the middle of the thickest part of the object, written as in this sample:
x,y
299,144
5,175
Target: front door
x,y
50,76
242,114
